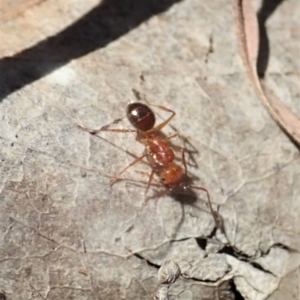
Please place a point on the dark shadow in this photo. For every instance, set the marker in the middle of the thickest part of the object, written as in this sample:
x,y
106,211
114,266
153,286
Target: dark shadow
x,y
202,243
102,25
236,293
266,10
183,192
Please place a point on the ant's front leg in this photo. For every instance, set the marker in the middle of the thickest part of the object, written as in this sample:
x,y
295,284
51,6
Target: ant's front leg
x,y
164,123
106,128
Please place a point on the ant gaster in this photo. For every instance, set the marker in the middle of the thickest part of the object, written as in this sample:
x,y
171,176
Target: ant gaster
x,y
159,153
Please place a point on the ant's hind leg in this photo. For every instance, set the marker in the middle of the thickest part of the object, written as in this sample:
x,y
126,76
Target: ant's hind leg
x,y
137,160
209,204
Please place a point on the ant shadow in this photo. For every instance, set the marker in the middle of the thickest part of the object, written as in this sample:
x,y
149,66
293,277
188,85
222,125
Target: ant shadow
x,y
107,22
184,198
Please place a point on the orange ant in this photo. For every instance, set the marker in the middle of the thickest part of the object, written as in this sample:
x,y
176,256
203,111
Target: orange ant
x,y
160,155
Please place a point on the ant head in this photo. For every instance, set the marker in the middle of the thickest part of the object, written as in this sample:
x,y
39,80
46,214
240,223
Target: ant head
x,y
140,116
171,175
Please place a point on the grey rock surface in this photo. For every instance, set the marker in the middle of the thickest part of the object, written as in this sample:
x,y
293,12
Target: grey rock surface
x,y
67,234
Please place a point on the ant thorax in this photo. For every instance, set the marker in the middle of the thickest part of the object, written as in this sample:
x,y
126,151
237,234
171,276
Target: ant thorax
x,y
161,153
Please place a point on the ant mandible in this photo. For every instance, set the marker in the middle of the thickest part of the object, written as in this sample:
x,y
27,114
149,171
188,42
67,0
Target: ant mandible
x,y
159,153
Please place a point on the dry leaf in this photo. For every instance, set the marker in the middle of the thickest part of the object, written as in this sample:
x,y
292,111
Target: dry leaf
x,y
247,33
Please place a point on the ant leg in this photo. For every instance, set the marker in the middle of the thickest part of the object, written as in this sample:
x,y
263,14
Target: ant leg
x,y
209,204
137,160
171,137
149,181
106,128
164,123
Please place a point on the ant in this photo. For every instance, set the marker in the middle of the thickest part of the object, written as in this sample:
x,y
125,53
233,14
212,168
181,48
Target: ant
x,y
158,152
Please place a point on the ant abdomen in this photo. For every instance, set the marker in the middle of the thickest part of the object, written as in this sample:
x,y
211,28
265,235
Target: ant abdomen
x,y
140,116
171,175
161,152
